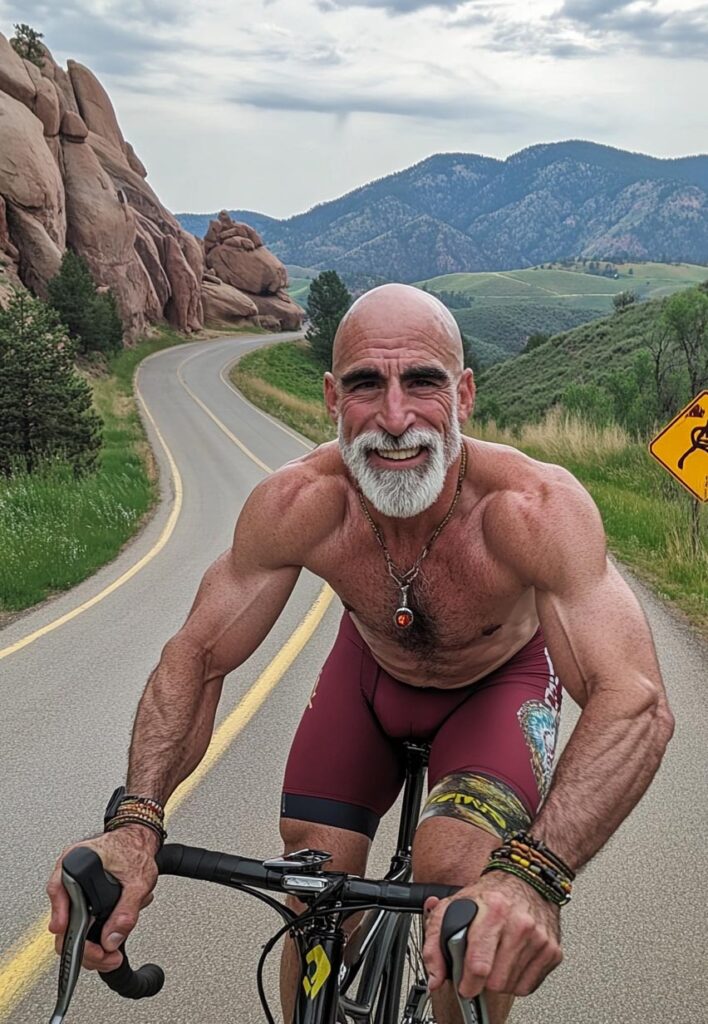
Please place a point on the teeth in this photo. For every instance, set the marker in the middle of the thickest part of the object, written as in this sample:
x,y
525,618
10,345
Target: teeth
x,y
399,453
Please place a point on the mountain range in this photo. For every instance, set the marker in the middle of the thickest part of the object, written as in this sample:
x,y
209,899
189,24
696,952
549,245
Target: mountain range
x,y
463,212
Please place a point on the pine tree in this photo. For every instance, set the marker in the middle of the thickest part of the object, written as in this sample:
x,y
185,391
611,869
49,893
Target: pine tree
x,y
328,301
91,319
26,42
45,407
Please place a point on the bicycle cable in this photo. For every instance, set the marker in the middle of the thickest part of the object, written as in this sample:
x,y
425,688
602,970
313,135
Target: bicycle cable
x,y
311,915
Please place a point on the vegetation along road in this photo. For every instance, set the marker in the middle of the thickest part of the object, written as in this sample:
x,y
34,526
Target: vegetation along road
x,y
634,936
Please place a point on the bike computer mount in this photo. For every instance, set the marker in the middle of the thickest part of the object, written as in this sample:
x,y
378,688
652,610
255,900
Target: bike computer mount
x,y
308,862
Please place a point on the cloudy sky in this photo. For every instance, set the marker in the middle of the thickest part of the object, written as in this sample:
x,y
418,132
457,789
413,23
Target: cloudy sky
x,y
274,105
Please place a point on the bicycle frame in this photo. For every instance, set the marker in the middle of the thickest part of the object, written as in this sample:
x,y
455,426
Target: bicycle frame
x,y
323,947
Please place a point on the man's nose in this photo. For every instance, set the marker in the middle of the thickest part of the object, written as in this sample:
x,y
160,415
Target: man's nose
x,y
395,415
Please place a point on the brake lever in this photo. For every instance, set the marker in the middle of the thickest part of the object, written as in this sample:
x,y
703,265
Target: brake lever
x,y
93,893
459,916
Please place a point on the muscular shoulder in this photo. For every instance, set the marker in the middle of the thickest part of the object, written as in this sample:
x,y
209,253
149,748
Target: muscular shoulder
x,y
540,520
296,507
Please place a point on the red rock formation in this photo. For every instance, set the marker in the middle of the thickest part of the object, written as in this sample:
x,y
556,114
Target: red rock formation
x,y
68,177
235,252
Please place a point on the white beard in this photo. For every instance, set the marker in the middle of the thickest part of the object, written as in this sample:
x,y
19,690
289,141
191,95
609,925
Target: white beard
x,y
402,493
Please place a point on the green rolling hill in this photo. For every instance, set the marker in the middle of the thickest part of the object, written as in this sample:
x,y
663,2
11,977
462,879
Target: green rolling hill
x,y
499,310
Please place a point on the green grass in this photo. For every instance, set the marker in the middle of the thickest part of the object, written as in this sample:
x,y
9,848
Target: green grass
x,y
56,530
299,289
646,515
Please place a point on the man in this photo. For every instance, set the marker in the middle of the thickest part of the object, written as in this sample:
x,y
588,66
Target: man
x,y
467,572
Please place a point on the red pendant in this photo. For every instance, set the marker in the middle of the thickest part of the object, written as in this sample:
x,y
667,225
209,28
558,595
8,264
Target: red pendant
x,y
403,618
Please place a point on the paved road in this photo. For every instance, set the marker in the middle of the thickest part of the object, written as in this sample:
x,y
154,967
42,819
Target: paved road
x,y
635,936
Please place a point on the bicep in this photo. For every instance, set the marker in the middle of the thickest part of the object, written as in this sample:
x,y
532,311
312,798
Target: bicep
x,y
236,607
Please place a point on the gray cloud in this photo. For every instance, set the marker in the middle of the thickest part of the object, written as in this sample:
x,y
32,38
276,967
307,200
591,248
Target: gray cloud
x,y
390,6
586,28
480,112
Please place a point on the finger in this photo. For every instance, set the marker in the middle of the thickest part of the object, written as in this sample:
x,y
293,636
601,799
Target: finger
x,y
517,948
483,939
95,958
123,919
59,899
432,954
537,971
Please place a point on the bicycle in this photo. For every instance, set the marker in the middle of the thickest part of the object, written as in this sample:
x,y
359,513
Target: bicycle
x,y
359,982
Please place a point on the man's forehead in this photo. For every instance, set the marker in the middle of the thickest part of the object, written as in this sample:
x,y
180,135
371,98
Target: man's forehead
x,y
392,350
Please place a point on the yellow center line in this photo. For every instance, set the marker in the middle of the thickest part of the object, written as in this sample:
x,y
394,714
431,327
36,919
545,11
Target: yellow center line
x,y
140,564
271,419
32,954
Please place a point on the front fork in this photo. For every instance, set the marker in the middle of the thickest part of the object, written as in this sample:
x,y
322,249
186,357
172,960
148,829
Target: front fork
x,y
322,950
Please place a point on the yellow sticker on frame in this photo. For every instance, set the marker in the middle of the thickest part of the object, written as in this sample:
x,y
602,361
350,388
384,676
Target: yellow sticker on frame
x,y
682,447
314,981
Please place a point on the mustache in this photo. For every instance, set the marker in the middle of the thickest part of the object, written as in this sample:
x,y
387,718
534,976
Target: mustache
x,y
374,440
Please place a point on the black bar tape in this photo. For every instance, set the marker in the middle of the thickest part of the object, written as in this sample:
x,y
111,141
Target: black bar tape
x,y
394,895
146,981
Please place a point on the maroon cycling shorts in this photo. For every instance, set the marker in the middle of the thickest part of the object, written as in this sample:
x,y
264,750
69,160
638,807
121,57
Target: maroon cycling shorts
x,y
346,764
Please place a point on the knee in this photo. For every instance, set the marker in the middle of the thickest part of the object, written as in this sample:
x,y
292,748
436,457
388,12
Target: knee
x,y
348,850
463,820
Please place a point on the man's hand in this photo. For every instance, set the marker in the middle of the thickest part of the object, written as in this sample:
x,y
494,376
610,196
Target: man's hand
x,y
128,853
513,943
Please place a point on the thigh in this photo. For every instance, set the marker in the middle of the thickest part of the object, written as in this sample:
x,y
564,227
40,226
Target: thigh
x,y
492,760
342,771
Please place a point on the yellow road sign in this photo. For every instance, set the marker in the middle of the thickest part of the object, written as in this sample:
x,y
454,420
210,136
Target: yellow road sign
x,y
682,447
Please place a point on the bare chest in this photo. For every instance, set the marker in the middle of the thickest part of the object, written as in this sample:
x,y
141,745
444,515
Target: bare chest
x,y
467,608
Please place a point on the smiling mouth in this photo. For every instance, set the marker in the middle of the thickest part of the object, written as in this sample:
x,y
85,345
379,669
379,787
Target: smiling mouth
x,y
398,454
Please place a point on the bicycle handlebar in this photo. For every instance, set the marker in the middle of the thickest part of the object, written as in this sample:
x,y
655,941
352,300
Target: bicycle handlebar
x,y
94,893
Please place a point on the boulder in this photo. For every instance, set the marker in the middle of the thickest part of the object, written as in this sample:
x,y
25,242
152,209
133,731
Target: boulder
x,y
46,106
133,161
257,271
268,323
287,311
225,304
62,83
147,250
73,127
15,79
29,177
6,245
103,230
183,308
39,254
94,105
33,71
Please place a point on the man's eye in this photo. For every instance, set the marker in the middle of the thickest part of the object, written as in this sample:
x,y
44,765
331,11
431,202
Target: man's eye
x,y
364,384
423,382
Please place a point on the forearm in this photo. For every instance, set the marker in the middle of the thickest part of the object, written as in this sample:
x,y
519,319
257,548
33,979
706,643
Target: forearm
x,y
607,765
174,722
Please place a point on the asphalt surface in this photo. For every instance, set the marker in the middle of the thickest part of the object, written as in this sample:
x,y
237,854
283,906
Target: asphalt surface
x,y
635,934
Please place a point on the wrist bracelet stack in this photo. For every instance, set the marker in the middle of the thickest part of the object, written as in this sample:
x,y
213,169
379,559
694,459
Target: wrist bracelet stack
x,y
138,810
532,861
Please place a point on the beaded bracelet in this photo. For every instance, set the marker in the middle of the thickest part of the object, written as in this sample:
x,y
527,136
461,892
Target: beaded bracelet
x,y
547,892
120,820
529,859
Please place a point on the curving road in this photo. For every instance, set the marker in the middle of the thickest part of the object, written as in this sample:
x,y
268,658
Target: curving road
x,y
635,936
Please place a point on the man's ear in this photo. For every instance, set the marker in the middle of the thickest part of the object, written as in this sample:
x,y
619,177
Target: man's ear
x,y
466,392
330,396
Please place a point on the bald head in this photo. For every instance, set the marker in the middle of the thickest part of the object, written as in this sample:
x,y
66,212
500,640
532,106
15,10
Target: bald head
x,y
397,315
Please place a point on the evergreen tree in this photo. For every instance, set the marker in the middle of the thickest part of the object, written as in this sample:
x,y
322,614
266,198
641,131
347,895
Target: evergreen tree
x,y
328,301
45,407
469,356
26,42
92,320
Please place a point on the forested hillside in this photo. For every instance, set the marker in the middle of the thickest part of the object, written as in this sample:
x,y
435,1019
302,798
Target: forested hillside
x,y
463,212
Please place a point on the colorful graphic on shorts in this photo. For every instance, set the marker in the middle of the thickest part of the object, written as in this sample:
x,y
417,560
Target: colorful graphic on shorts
x,y
478,799
539,726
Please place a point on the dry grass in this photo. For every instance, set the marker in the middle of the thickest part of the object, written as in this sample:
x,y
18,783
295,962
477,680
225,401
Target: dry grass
x,y
559,436
309,418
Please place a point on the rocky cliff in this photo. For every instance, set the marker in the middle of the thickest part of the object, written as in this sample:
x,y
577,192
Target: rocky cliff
x,y
69,178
